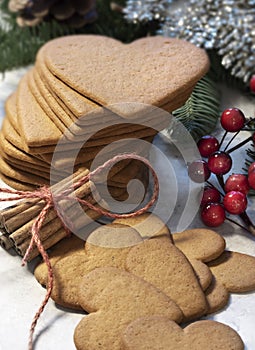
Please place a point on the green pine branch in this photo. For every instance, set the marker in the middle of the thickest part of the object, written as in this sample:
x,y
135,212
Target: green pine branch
x,y
18,46
201,111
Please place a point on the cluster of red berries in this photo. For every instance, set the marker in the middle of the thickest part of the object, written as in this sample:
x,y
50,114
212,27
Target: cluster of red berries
x,y
232,196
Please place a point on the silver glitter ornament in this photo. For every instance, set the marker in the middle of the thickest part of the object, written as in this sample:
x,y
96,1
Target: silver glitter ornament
x,y
224,25
146,10
228,26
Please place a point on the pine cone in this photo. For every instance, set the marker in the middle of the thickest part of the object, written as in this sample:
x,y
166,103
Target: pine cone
x,y
74,13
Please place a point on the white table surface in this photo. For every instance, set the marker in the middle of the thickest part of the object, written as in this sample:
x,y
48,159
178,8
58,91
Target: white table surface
x,y
21,295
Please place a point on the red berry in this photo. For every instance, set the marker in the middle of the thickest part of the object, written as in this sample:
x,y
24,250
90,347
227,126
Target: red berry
x,y
235,202
219,163
252,84
210,195
207,145
232,119
213,214
237,182
251,167
198,171
251,179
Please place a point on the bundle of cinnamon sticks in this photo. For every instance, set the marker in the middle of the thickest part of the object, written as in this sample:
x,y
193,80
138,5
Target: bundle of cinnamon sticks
x,y
16,221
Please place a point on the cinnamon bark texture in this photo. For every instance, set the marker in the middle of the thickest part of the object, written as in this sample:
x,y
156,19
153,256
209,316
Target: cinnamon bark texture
x,y
16,221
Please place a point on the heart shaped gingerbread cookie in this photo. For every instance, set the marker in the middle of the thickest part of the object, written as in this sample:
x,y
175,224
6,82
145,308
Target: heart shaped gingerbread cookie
x,y
153,70
157,332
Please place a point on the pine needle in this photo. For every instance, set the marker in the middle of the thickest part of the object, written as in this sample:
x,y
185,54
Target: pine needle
x,y
201,111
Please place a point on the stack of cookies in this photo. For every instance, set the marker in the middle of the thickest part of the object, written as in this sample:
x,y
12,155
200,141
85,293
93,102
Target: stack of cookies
x,y
84,94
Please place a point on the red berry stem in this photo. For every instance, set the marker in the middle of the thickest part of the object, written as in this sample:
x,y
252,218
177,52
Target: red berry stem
x,y
238,224
249,121
223,138
239,145
231,140
211,185
221,181
250,227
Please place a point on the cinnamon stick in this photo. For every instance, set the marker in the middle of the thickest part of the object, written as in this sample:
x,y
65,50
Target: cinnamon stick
x,y
10,219
55,237
16,221
50,225
6,243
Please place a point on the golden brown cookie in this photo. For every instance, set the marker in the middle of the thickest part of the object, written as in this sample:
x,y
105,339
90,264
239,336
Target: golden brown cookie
x,y
199,243
42,98
115,298
11,110
20,175
217,296
78,104
158,332
84,127
148,225
35,127
67,246
235,271
107,246
52,110
202,272
13,153
174,65
162,264
14,183
11,135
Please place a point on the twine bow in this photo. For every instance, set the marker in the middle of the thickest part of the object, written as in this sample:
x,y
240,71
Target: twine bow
x,y
44,193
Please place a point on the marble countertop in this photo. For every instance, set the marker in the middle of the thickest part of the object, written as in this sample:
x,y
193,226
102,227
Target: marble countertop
x,y
21,295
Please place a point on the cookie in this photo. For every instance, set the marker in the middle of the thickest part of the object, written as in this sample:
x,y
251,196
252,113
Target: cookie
x,y
42,99
167,60
162,264
67,246
11,110
79,129
14,183
201,244
42,115
148,225
28,168
159,332
10,134
63,158
235,271
33,129
217,296
57,115
22,176
203,273
69,271
78,104
115,298
13,153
